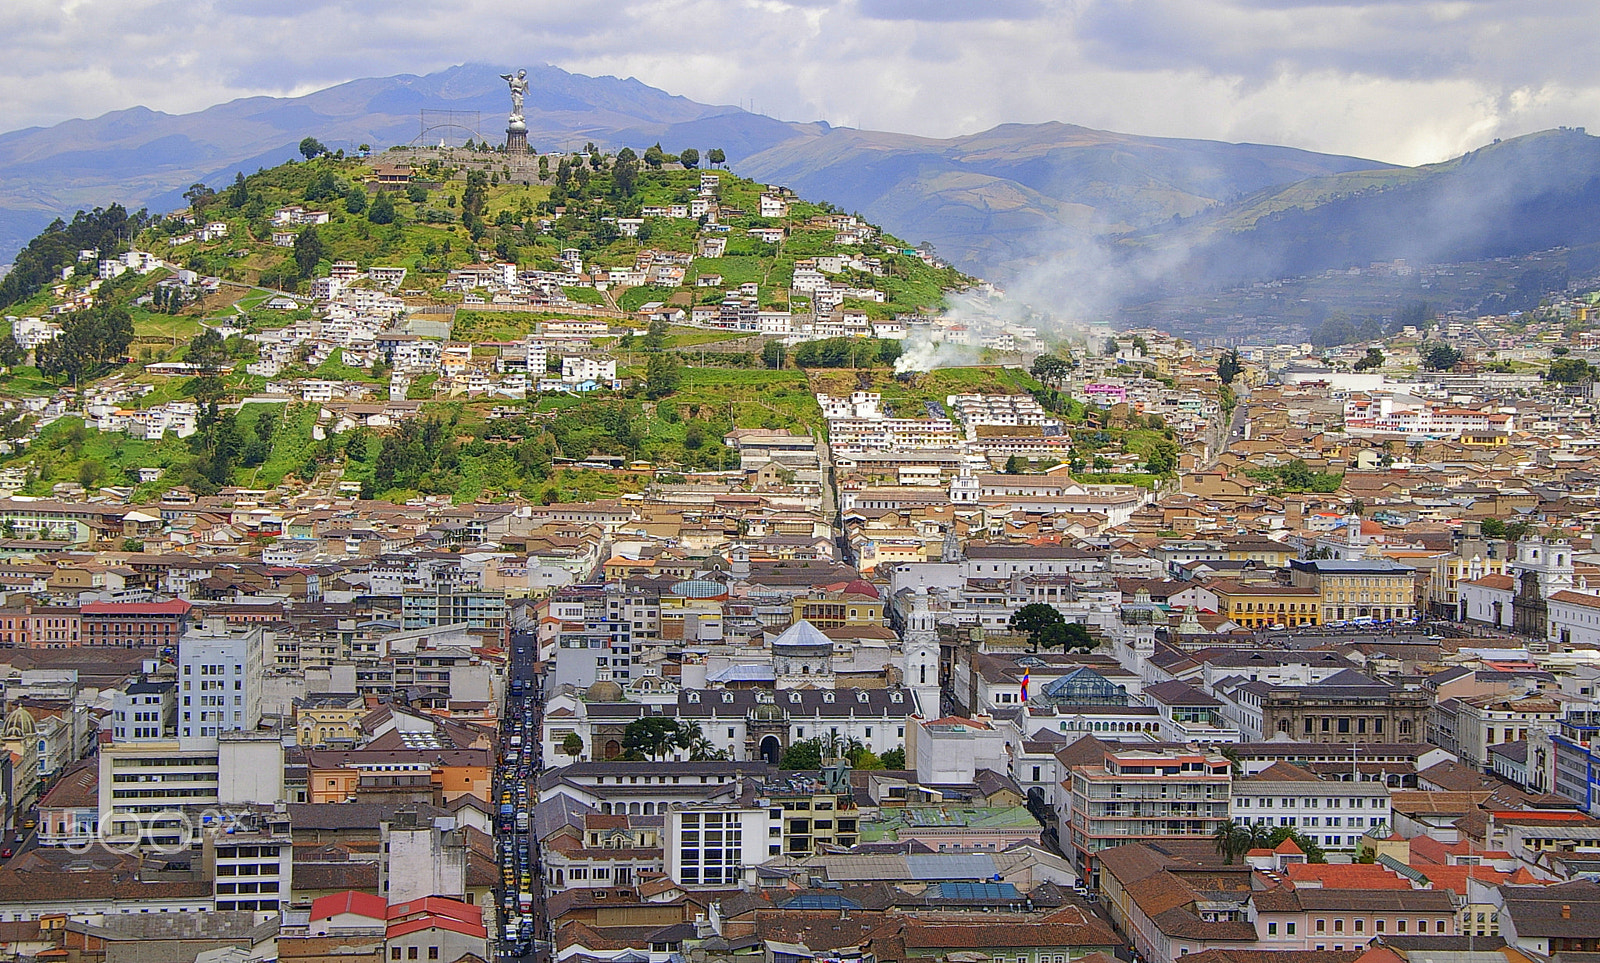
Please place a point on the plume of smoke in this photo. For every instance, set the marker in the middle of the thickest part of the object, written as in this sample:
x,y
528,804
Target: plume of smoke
x,y
923,352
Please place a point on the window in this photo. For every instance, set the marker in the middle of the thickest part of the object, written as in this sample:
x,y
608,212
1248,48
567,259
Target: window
x,y
1288,929
433,952
1272,929
1322,926
1438,926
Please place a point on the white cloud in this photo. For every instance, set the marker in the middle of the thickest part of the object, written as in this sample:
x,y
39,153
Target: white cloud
x,y
1402,80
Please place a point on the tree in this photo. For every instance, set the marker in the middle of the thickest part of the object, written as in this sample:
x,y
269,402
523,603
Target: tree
x,y
690,158
312,148
1032,619
1067,635
649,738
654,157
308,251
1229,367
895,758
1440,357
1374,359
624,176
662,374
1571,371
198,196
716,157
1314,853
1015,465
572,746
1163,458
207,351
772,354
1050,370
239,192
1232,840
356,201
88,340
365,149
544,167
417,194
382,209
691,739
1140,344
805,754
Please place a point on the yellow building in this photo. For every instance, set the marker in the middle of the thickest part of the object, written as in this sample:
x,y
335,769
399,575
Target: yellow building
x,y
858,604
328,725
1371,588
1259,606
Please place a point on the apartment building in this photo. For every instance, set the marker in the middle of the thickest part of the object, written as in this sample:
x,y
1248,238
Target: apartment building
x,y
1139,794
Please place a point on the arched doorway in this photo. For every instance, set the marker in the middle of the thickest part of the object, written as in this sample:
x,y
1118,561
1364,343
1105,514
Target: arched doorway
x,y
613,749
771,749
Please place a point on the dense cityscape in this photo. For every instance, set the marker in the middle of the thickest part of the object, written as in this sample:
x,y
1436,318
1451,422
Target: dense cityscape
x,y
470,552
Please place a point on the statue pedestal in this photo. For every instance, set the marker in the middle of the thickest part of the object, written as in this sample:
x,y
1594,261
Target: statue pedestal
x,y
516,140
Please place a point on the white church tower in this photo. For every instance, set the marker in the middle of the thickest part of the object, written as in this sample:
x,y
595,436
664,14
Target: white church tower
x,y
965,488
920,656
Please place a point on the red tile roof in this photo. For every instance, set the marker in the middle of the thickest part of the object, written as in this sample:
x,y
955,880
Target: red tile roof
x,y
362,904
1346,876
428,922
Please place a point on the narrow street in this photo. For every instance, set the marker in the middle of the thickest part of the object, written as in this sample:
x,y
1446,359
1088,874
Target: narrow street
x,y
521,892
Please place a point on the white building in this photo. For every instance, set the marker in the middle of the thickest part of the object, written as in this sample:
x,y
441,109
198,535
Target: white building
x,y
1334,815
219,685
719,847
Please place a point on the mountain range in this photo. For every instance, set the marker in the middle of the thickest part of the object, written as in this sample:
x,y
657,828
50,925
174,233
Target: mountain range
x,y
996,203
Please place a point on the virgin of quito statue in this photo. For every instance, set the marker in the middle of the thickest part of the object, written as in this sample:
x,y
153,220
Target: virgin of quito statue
x,y
516,127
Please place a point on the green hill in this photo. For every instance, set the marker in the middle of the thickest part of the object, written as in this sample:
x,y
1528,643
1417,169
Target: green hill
x,y
463,208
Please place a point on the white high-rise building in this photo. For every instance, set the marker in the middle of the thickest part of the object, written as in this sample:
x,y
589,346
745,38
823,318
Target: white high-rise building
x,y
920,648
219,684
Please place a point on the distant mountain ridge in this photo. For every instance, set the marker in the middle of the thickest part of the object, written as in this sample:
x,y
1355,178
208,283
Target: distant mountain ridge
x,y
1197,213
1513,197
144,157
985,200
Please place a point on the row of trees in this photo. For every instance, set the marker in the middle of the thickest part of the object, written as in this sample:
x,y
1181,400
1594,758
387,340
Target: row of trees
x,y
1234,839
89,340
834,353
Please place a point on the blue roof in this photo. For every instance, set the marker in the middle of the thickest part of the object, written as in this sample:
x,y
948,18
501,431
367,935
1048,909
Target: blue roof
x,y
955,866
987,891
821,901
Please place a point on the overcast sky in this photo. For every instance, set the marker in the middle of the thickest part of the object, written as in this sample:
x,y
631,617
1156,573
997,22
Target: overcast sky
x,y
1407,81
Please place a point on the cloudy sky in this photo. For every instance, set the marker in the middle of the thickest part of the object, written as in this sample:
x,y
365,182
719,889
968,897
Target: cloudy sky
x,y
1407,81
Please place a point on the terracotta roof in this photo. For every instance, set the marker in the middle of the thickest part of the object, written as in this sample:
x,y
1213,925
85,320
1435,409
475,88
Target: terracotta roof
x,y
1346,876
362,904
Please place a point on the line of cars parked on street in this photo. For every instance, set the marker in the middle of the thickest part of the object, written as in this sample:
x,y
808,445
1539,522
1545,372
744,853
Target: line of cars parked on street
x,y
519,761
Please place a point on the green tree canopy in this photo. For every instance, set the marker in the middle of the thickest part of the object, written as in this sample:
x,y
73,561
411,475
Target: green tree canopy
x,y
382,209
805,754
308,251
1440,357
311,148
649,738
1033,619
1229,367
